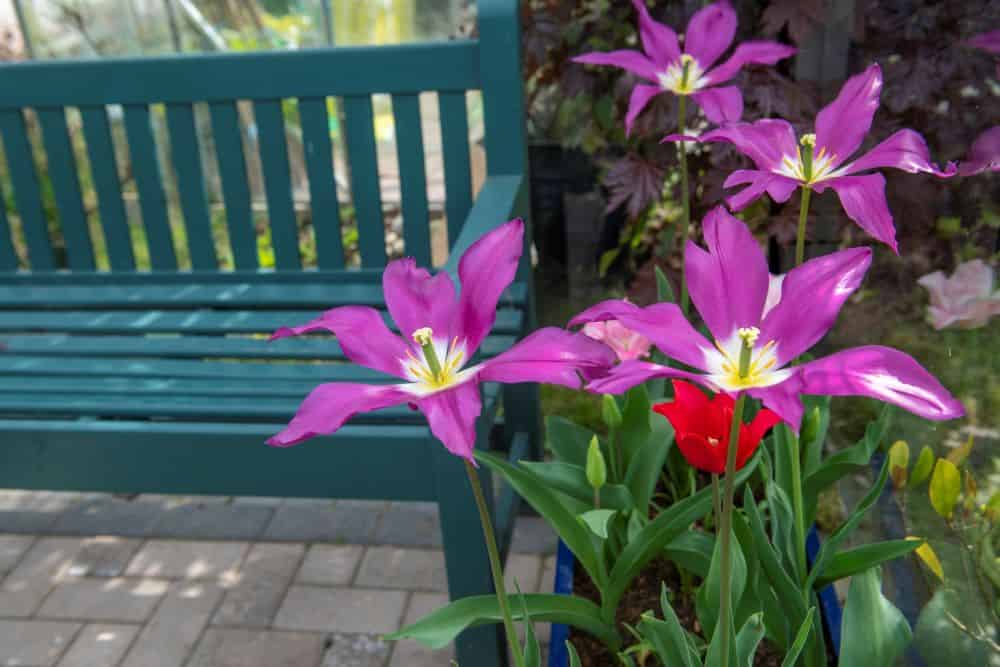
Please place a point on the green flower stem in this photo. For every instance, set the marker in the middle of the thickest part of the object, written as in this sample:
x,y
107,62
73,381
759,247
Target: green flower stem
x,y
796,454
800,526
716,496
800,239
491,547
685,198
615,456
725,533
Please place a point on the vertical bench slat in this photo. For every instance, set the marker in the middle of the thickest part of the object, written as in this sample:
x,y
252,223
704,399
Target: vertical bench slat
x,y
322,183
62,171
8,257
412,176
104,174
359,124
277,183
191,186
21,164
152,200
455,151
235,191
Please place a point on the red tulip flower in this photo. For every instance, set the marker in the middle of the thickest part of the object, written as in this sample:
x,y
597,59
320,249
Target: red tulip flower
x,y
701,427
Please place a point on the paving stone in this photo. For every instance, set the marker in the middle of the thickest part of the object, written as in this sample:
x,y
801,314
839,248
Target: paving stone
x,y
119,599
355,650
350,610
411,653
213,521
392,567
184,559
533,535
167,501
548,582
263,581
34,511
345,523
34,643
173,631
99,645
12,548
258,501
410,525
45,563
257,648
523,569
103,556
330,564
109,516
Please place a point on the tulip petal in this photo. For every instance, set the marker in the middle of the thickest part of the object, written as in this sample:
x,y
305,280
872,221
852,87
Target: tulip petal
x,y
984,155
780,188
662,323
550,355
884,374
987,41
841,126
863,199
486,269
746,53
452,415
764,421
632,61
415,299
362,334
658,41
728,284
641,95
328,406
767,142
819,287
688,402
904,150
721,105
628,374
710,32
783,399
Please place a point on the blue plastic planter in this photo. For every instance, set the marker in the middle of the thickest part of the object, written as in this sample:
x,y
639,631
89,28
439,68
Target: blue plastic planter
x,y
565,563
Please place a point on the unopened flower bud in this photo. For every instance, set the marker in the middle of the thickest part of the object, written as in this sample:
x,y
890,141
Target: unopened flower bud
x,y
597,471
611,413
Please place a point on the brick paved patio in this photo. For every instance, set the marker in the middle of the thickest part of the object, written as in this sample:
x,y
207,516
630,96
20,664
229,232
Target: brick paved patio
x,y
162,581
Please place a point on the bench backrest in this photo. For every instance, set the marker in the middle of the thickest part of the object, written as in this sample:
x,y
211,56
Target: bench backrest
x,y
267,81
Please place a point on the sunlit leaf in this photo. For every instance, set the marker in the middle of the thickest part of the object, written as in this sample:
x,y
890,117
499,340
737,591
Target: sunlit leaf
x,y
946,484
922,468
930,559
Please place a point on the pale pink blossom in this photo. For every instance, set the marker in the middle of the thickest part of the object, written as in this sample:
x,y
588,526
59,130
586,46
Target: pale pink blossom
x,y
627,344
965,300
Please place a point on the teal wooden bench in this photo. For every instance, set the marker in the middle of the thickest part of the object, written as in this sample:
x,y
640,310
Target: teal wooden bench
x,y
162,380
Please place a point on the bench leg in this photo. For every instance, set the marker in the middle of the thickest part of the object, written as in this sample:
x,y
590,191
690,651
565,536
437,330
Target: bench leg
x,y
466,557
522,410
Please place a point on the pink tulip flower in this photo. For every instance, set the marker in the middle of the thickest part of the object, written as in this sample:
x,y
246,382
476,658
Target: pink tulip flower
x,y
965,300
690,72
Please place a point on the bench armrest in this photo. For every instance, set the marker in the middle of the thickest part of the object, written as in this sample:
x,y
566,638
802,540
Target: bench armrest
x,y
495,205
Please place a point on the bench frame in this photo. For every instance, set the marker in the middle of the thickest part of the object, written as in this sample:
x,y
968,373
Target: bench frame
x,y
206,456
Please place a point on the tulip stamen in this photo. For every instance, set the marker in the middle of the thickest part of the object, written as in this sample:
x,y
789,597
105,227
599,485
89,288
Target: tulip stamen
x,y
423,338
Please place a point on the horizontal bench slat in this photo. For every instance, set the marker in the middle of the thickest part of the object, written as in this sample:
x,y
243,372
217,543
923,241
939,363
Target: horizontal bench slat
x,y
188,321
13,364
181,296
452,65
181,277
196,347
207,458
83,402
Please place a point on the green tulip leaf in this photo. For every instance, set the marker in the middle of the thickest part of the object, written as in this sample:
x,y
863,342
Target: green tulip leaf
x,y
874,632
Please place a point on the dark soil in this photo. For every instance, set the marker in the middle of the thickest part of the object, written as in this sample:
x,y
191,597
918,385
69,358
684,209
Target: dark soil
x,y
642,596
